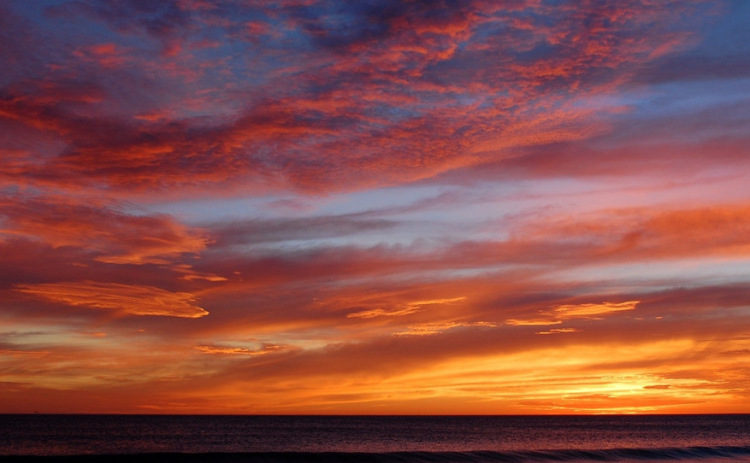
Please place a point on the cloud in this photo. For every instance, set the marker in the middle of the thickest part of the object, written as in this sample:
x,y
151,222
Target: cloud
x,y
585,195
428,329
23,353
654,233
565,312
165,21
384,312
410,308
602,237
558,331
532,322
396,82
223,350
560,313
125,299
118,237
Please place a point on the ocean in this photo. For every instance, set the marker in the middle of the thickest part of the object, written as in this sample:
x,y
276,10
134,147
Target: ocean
x,y
373,439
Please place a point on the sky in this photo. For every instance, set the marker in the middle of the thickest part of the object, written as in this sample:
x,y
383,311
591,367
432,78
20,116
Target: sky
x,y
374,207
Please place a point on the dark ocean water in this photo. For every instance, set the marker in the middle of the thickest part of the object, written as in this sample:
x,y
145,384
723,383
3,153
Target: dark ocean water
x,y
272,439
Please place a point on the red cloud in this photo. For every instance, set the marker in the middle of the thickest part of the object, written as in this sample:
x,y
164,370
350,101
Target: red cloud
x,y
115,236
407,101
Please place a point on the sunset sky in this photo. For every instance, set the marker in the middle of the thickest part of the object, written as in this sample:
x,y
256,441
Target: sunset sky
x,y
374,207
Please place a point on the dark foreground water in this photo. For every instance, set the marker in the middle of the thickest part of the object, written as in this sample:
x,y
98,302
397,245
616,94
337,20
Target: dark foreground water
x,y
199,439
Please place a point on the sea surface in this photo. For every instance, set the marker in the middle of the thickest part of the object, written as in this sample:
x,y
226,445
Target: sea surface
x,y
374,439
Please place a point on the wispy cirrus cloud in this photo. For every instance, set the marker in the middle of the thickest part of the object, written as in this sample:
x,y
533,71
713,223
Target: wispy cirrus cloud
x,y
427,329
410,308
558,331
224,350
592,310
119,298
558,314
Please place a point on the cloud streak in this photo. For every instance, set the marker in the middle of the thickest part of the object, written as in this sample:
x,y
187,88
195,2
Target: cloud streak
x,y
126,299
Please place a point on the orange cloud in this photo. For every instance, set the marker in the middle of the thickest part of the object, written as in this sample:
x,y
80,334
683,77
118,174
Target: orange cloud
x,y
532,322
558,331
125,299
572,311
427,329
384,312
565,312
23,353
238,350
410,308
